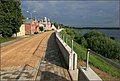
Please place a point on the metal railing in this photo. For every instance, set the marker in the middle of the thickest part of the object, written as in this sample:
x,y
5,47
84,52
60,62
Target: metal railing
x,y
73,45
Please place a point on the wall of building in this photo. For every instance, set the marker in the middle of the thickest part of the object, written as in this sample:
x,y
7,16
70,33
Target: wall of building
x,y
27,29
31,28
22,30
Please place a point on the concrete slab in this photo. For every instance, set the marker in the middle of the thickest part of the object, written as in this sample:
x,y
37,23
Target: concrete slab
x,y
90,74
74,74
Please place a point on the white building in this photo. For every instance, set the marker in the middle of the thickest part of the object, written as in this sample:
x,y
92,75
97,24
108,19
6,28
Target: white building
x,y
22,30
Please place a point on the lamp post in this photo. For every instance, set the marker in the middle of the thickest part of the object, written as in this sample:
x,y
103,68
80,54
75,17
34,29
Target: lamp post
x,y
30,23
35,12
30,13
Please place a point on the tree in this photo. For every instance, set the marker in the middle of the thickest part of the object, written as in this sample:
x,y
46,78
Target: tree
x,y
10,17
93,33
103,45
41,28
56,24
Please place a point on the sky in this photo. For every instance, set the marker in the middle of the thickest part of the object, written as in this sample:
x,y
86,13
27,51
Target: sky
x,y
75,13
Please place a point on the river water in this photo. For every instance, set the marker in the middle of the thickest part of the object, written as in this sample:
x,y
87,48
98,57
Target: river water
x,y
115,33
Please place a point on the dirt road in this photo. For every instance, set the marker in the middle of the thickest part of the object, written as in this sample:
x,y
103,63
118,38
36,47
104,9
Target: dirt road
x,y
23,52
34,58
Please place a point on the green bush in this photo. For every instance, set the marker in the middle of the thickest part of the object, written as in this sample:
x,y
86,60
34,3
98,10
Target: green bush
x,y
103,45
41,28
93,33
7,32
81,40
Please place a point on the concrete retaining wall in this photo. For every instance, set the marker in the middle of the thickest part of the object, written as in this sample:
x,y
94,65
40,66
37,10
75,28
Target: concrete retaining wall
x,y
70,58
71,61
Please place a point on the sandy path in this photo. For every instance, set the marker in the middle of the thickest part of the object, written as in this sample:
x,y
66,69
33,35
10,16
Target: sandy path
x,y
21,52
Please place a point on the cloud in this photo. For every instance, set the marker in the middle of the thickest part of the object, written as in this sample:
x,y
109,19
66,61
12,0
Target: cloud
x,y
74,12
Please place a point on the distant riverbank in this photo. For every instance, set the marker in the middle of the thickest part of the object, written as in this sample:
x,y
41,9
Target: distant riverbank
x,y
97,27
114,33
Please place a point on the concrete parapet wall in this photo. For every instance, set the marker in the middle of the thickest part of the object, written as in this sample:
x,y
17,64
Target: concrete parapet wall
x,y
69,57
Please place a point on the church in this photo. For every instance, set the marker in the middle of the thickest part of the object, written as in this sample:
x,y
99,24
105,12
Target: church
x,y
46,24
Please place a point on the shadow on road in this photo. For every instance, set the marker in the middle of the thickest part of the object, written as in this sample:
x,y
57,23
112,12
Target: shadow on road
x,y
53,53
49,76
52,66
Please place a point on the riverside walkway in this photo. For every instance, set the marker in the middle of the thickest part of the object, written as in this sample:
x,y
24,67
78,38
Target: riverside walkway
x,y
34,58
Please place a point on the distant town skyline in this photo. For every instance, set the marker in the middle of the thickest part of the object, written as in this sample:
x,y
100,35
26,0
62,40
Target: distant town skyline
x,y
75,13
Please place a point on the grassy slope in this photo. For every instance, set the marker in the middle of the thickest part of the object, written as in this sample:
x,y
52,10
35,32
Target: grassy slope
x,y
2,39
94,60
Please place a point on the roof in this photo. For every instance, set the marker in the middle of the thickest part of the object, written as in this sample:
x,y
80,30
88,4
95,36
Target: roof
x,y
28,21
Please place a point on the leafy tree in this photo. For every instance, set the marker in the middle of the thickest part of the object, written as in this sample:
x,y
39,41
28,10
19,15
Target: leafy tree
x,y
56,24
103,45
41,28
93,33
10,17
70,32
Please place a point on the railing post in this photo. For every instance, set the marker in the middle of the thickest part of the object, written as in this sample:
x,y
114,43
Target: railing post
x,y
63,37
72,46
87,63
66,40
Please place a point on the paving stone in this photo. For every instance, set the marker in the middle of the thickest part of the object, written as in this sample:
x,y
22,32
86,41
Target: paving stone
x,y
13,76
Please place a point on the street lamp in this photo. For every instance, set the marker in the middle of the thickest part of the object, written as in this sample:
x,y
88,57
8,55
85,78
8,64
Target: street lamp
x,y
35,12
27,18
30,23
30,13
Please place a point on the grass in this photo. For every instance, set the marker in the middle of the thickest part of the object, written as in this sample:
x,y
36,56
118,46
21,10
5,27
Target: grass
x,y
2,39
116,60
94,60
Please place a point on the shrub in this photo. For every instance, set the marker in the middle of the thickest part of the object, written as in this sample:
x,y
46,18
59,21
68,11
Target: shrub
x,y
7,32
41,28
103,45
93,33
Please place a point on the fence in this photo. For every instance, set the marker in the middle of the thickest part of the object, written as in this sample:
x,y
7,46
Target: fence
x,y
72,44
85,72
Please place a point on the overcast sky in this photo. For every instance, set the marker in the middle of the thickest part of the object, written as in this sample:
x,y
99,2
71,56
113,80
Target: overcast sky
x,y
75,13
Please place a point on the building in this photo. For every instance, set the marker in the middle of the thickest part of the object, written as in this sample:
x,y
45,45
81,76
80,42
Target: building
x,y
31,26
45,23
22,30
